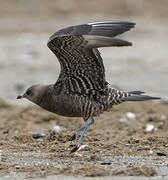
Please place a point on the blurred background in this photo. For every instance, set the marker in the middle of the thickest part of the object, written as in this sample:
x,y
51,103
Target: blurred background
x,y
25,26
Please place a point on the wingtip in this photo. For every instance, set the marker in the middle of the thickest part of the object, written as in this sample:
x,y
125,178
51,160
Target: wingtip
x,y
128,44
127,24
112,22
120,42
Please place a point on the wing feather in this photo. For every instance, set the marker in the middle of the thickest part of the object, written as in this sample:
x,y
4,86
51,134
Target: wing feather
x,y
76,49
107,29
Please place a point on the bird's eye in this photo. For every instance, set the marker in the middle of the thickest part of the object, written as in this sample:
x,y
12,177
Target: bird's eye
x,y
28,92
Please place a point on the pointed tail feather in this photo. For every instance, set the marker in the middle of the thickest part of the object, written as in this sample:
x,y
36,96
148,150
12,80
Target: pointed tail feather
x,y
138,97
117,97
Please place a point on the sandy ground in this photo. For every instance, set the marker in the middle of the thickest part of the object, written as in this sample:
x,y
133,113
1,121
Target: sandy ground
x,y
107,178
116,147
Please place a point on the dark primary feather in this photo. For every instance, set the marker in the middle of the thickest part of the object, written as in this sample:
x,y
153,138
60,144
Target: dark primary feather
x,y
76,49
108,29
100,34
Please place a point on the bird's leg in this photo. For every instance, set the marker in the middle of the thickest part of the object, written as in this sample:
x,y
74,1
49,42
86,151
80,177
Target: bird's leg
x,y
83,133
73,137
81,137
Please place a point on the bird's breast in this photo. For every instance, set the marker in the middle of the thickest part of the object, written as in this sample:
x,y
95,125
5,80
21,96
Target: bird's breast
x,y
65,105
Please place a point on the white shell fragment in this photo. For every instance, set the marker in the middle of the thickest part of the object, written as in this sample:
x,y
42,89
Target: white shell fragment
x,y
149,127
58,129
150,152
163,117
130,115
83,148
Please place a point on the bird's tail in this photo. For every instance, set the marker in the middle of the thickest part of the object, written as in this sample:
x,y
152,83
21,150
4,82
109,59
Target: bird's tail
x,y
137,96
117,96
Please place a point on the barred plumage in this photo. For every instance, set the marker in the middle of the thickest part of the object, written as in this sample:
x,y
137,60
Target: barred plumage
x,y
81,89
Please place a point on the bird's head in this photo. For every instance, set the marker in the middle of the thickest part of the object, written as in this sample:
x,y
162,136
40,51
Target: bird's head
x,y
33,93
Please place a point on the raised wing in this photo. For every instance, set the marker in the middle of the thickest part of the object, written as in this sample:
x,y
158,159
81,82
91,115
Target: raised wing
x,y
82,68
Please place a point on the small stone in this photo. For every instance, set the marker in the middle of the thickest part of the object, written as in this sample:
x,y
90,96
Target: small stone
x,y
144,148
17,167
161,154
95,157
106,163
165,99
38,135
131,132
5,132
128,145
83,148
163,117
78,155
130,115
149,127
150,152
57,129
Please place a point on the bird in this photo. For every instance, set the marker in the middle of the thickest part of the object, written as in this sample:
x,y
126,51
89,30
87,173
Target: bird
x,y
81,89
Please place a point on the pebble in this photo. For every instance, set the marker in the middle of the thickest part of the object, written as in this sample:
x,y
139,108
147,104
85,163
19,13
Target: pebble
x,y
17,167
143,148
5,132
78,155
83,148
150,152
131,132
161,154
106,163
149,127
163,117
165,99
38,135
128,145
57,129
130,115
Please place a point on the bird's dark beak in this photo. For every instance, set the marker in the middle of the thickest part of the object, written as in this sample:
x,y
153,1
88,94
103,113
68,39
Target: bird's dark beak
x,y
19,97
